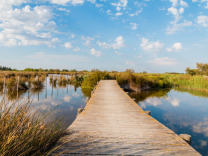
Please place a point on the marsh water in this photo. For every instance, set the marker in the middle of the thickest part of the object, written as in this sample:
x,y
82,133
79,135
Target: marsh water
x,y
183,111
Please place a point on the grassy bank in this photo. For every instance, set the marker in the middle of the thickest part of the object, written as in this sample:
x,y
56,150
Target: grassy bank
x,y
23,132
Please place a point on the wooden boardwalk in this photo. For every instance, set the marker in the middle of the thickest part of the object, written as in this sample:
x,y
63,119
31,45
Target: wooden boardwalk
x,y
113,124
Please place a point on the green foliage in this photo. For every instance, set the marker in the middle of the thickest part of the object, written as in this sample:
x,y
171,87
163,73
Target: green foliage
x,y
3,68
91,80
141,80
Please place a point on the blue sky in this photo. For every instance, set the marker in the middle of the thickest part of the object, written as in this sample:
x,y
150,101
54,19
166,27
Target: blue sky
x,y
146,35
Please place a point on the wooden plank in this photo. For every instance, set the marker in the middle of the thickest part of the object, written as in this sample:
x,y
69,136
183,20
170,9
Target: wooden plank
x,y
113,124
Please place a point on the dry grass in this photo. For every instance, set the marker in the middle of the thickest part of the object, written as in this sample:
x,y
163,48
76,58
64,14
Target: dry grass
x,y
23,132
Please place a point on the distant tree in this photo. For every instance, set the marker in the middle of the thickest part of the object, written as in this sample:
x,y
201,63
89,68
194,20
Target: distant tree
x,y
144,72
50,70
129,71
73,70
57,70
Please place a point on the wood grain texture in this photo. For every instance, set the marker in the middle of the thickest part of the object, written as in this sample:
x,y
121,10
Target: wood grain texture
x,y
113,124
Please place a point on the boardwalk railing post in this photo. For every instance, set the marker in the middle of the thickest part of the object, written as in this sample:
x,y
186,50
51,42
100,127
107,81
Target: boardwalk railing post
x,y
4,92
186,137
18,84
148,112
79,111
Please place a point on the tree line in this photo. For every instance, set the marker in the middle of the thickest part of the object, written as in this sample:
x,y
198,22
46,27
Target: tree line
x,y
202,69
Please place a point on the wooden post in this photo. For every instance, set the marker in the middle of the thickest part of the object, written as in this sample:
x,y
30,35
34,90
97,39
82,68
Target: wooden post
x,y
186,137
38,82
79,111
67,83
148,112
52,86
46,87
28,87
4,92
18,83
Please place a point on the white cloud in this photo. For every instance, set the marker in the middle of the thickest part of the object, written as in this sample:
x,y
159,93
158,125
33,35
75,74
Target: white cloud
x,y
98,5
119,44
177,46
183,3
133,26
118,14
96,53
154,101
175,102
104,45
202,20
118,53
87,40
165,61
109,12
72,36
151,46
177,27
130,63
68,45
26,26
76,95
181,10
64,2
92,1
175,2
121,3
76,49
63,9
67,98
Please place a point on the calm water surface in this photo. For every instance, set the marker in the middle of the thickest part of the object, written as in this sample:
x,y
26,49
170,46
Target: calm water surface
x,y
183,111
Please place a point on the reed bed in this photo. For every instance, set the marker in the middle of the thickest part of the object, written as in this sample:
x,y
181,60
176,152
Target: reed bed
x,y
23,132
190,82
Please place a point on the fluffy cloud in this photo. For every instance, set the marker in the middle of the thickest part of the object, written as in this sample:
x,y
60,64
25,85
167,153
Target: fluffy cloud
x,y
72,36
177,46
26,26
64,2
206,1
118,14
175,102
96,53
176,27
76,49
133,26
119,43
165,61
120,4
202,20
87,40
151,46
68,45
92,1
182,3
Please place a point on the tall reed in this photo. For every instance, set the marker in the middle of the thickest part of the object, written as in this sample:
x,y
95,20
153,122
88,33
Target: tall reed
x,y
24,132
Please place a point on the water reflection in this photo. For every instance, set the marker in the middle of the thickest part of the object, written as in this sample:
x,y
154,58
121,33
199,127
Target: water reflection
x,y
69,96
181,110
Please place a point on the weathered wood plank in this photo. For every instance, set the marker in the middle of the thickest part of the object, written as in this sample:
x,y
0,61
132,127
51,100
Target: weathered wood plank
x,y
113,124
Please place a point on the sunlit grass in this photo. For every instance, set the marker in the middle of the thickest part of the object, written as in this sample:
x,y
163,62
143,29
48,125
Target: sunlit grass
x,y
24,132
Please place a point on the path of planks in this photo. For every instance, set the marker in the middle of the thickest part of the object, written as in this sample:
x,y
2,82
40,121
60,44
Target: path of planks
x,y
113,124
